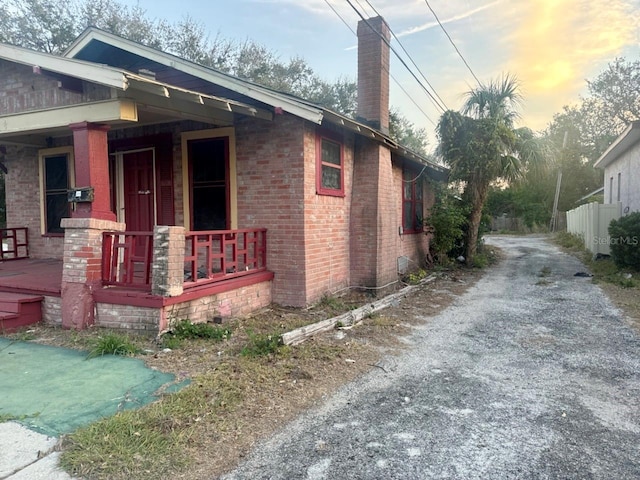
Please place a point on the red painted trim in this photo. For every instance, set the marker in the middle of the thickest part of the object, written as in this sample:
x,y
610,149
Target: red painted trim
x,y
322,134
123,296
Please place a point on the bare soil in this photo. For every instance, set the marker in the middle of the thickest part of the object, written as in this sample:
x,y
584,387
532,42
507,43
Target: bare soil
x,y
273,389
265,392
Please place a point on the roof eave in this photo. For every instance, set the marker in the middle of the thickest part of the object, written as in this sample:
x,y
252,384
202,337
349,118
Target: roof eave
x,y
625,140
371,133
254,91
100,74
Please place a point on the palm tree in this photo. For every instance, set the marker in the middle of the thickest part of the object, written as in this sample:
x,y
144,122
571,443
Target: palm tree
x,y
480,145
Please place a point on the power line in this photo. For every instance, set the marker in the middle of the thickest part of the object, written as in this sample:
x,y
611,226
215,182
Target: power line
x,y
410,58
452,42
392,77
433,99
340,17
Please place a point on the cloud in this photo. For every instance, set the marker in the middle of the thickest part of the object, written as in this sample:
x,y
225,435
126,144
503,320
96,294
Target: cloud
x,y
556,44
454,18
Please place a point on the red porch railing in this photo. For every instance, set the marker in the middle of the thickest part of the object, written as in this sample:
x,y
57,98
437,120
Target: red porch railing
x,y
213,256
209,256
126,259
15,243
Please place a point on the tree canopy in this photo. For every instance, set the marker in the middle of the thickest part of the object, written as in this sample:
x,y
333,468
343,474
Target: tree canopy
x,y
481,146
51,26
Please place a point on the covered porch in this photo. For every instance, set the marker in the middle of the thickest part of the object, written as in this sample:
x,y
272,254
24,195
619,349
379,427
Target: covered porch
x,y
148,278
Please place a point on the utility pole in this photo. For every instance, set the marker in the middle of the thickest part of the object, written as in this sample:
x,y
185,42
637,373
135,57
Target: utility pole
x,y
554,213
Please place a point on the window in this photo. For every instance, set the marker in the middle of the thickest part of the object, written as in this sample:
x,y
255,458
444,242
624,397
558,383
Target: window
x,y
209,183
619,182
411,202
56,178
330,165
611,190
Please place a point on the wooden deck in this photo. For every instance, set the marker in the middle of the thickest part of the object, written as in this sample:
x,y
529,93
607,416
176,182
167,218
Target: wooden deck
x,y
31,275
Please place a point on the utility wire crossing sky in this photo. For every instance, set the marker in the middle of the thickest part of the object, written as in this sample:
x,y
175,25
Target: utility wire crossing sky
x,y
443,48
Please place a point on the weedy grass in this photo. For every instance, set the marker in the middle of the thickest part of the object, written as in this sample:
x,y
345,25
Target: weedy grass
x,y
112,343
152,441
603,269
186,330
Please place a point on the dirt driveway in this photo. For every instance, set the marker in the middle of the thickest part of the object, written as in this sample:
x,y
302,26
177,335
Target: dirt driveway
x,y
530,374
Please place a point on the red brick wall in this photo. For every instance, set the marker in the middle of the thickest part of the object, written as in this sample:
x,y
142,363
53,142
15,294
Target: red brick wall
x,y
373,72
271,178
22,190
374,222
416,245
326,222
235,303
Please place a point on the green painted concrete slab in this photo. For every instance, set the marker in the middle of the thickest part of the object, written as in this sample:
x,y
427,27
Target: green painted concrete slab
x,y
56,390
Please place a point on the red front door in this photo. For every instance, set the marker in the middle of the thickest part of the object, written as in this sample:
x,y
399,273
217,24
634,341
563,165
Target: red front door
x,y
139,191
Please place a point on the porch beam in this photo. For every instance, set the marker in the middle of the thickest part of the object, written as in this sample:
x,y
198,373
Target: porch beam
x,y
149,87
181,108
244,110
60,117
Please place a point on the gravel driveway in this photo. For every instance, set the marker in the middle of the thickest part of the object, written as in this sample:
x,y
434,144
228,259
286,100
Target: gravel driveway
x,y
530,374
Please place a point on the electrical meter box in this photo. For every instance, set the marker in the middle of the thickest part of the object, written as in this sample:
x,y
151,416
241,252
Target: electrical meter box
x,y
77,195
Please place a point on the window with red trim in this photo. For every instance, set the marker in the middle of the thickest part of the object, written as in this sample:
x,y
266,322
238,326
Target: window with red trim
x,y
411,202
330,165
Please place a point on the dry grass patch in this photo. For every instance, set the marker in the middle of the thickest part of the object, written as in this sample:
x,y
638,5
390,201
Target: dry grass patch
x,y
242,387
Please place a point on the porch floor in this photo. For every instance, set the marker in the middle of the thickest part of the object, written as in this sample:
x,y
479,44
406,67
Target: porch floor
x,y
31,275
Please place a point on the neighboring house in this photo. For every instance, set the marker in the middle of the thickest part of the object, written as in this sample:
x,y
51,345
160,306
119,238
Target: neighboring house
x,y
621,164
166,189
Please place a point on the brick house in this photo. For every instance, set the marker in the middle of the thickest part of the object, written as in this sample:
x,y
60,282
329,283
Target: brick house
x,y
143,187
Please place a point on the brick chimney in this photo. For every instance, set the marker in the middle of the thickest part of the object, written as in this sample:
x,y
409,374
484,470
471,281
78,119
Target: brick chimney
x,y
373,73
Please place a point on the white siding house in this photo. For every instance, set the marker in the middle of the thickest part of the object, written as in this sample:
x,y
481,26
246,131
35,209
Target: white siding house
x,y
621,164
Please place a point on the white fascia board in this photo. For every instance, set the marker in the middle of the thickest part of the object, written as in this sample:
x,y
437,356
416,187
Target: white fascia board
x,y
41,120
274,99
625,140
94,73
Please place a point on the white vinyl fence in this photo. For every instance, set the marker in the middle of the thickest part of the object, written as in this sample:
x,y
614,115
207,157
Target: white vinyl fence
x,y
591,222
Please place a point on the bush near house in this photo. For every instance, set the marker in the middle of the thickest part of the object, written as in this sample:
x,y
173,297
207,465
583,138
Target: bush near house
x,y
625,241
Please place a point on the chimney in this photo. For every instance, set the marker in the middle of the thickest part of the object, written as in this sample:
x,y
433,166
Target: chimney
x,y
373,73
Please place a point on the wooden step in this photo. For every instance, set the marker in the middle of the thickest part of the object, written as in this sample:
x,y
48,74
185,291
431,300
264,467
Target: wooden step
x,y
18,310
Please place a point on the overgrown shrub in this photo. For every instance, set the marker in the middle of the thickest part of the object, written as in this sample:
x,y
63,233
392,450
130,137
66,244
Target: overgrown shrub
x,y
625,241
448,219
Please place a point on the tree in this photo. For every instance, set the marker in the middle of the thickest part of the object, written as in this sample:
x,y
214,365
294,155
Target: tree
x,y
481,145
617,89
51,26
406,133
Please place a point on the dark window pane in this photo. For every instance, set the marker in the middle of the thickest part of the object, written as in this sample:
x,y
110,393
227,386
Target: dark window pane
x,y
331,177
208,166
418,217
57,209
56,184
407,216
209,211
418,190
330,152
408,187
56,173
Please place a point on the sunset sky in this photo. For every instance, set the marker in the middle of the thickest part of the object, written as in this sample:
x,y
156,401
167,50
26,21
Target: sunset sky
x,y
551,46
